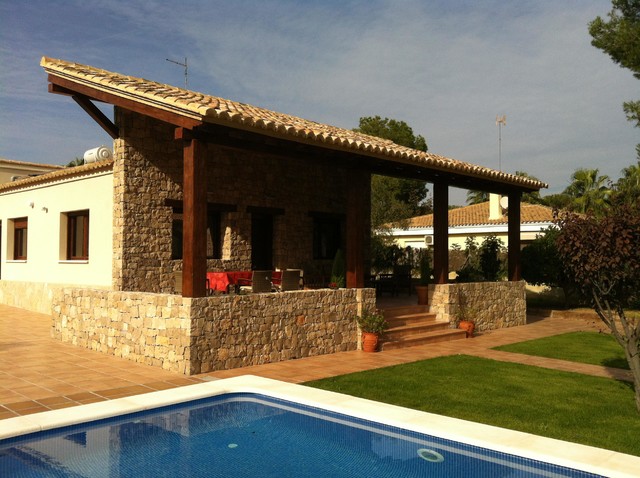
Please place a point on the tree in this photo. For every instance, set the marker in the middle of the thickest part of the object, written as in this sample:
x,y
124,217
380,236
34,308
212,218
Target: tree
x,y
533,197
589,191
477,197
541,264
394,199
602,256
76,162
620,39
627,188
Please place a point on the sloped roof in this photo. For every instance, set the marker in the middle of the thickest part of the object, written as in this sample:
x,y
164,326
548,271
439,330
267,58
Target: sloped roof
x,y
478,214
215,110
13,162
60,174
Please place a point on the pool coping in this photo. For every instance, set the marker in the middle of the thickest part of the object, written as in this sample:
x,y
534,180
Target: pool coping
x,y
571,455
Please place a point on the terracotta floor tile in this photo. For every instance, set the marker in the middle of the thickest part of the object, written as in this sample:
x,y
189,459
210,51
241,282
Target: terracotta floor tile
x,y
38,372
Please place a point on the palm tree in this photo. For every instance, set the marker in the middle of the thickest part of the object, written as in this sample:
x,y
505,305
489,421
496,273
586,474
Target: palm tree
x,y
477,197
589,191
627,189
533,197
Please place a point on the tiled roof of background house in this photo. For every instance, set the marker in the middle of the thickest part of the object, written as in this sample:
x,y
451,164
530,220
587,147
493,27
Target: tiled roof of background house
x,y
212,109
13,162
60,174
478,214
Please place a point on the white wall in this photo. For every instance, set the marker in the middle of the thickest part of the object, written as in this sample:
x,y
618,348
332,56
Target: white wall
x,y
46,253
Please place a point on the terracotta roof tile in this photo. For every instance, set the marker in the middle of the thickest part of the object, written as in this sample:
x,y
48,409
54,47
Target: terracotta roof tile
x,y
478,214
217,110
65,173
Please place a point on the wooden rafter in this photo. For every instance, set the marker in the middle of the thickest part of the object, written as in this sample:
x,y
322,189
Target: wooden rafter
x,y
97,115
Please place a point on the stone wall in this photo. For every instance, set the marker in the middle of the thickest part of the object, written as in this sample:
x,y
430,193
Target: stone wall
x,y
33,296
193,336
148,170
494,305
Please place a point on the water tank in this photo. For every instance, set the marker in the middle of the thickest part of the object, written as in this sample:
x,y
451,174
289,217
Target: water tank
x,y
101,153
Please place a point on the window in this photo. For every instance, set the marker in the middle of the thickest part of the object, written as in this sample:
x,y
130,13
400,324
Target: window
x,y
214,246
20,227
326,236
78,235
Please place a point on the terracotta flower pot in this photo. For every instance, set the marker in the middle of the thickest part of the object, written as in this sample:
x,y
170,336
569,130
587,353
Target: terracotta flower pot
x,y
369,342
467,326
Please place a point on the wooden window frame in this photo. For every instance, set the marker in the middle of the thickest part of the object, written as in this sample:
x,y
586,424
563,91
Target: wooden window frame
x,y
72,226
20,234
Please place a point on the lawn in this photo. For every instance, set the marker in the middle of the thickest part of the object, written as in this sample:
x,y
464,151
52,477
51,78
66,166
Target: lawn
x,y
568,406
584,347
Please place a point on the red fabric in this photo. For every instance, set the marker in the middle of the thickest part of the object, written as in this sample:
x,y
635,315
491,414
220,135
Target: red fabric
x,y
218,281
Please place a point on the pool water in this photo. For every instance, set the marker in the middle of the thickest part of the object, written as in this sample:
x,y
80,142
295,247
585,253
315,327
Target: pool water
x,y
241,435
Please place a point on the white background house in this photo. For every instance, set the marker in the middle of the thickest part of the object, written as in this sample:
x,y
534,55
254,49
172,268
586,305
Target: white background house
x,y
43,207
478,221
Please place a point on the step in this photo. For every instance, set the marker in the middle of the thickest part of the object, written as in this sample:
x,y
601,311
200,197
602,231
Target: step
x,y
409,319
390,312
424,339
418,327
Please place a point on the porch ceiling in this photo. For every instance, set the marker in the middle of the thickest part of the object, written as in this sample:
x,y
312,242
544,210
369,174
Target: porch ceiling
x,y
242,126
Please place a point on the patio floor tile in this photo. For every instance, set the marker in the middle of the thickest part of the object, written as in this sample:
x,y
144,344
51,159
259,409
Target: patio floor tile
x,y
39,373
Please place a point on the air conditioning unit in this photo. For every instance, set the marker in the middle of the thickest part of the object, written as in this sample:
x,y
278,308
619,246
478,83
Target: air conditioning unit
x,y
428,240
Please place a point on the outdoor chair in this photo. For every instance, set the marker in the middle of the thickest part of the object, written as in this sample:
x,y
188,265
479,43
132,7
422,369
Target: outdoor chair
x,y
291,280
260,282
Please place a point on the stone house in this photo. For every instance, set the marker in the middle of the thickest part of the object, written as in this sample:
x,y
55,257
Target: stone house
x,y
203,183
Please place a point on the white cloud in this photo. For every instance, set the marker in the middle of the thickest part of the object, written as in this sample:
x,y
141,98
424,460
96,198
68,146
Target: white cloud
x,y
447,68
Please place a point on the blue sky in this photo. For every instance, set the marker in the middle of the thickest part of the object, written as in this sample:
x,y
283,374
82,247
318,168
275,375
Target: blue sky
x,y
447,68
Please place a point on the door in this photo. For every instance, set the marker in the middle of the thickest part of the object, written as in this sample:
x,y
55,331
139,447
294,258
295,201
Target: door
x,y
261,241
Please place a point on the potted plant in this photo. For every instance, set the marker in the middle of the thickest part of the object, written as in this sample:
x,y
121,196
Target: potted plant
x,y
372,325
422,289
338,272
465,315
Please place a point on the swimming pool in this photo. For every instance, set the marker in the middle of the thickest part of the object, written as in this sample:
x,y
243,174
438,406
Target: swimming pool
x,y
250,427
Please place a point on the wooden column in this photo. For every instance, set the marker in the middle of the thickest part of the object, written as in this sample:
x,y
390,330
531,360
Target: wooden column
x,y
194,239
441,233
358,193
514,237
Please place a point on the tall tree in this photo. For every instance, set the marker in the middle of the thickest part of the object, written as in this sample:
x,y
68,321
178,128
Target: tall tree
x,y
602,256
627,188
619,37
589,191
395,199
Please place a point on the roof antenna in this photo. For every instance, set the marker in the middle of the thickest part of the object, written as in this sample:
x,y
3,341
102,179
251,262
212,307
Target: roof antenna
x,y
500,121
186,71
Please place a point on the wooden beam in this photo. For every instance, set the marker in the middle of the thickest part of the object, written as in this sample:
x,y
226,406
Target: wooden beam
x,y
441,233
194,237
97,115
514,237
65,86
358,192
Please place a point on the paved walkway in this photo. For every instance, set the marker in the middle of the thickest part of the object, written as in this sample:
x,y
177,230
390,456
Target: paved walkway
x,y
38,373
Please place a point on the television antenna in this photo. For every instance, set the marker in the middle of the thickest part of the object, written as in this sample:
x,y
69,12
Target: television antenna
x,y
500,122
186,71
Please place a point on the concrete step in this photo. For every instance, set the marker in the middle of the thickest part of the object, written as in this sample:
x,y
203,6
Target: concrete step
x,y
423,339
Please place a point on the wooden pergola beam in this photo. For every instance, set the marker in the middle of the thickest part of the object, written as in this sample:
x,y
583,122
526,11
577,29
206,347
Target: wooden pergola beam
x,y
194,238
441,232
513,221
358,190
97,115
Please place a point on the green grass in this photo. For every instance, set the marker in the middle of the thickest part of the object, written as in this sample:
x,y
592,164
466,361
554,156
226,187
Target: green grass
x,y
584,347
568,406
